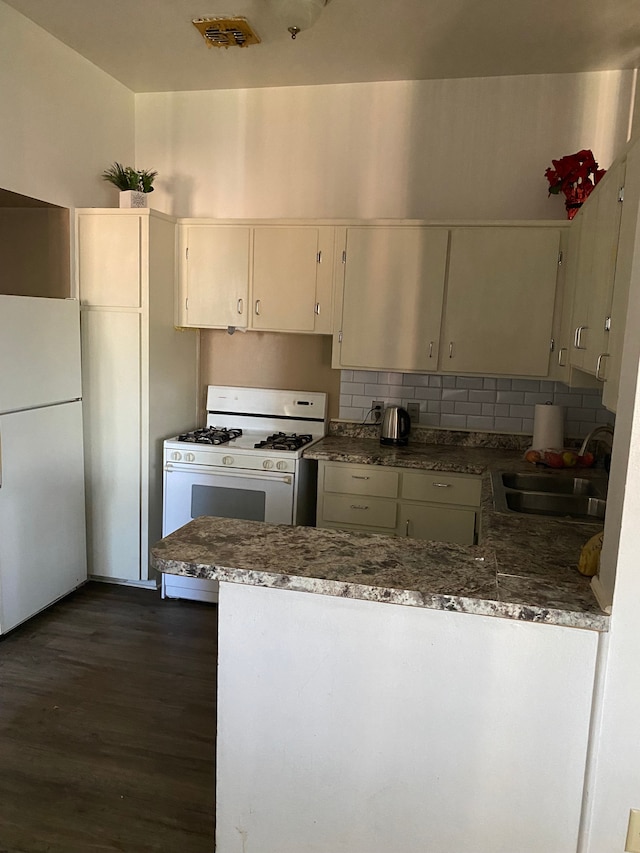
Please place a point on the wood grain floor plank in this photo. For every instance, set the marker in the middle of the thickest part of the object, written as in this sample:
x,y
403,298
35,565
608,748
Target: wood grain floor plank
x,y
107,726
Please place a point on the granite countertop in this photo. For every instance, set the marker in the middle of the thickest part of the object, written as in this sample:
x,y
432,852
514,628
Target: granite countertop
x,y
524,567
534,557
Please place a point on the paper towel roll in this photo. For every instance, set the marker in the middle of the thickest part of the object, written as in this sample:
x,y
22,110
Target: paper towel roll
x,y
548,427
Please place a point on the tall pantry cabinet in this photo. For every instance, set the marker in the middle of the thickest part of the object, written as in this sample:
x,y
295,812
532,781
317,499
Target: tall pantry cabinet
x,y
139,381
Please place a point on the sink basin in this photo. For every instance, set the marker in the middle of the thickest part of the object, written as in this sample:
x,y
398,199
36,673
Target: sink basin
x,y
550,484
538,503
555,494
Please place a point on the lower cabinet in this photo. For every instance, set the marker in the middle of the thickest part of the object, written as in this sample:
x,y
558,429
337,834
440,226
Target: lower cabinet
x,y
399,502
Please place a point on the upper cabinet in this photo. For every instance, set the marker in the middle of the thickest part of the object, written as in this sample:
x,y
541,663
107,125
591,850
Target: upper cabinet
x,y
598,222
501,292
477,299
626,256
390,302
264,277
214,276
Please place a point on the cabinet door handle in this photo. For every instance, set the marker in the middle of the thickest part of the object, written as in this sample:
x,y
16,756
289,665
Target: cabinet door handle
x,y
240,306
451,349
406,530
599,365
577,341
430,349
258,307
359,477
359,506
317,309
442,485
560,361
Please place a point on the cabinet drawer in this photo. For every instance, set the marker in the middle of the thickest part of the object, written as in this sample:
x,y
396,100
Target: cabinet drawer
x,y
436,487
364,512
362,480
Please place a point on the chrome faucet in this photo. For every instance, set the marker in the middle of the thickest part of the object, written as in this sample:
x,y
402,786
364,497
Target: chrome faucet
x,y
605,428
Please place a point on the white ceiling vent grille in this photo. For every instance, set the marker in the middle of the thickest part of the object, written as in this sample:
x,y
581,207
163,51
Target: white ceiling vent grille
x,y
226,32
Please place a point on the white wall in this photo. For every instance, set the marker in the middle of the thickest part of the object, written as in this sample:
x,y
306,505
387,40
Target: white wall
x,y
617,760
430,149
63,120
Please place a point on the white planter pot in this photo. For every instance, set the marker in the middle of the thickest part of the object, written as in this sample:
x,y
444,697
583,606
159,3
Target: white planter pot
x,y
133,198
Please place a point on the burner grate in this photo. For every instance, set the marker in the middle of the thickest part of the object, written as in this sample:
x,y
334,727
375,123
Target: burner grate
x,y
283,441
210,435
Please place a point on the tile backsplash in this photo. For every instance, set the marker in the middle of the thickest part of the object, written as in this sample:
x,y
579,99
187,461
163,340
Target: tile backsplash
x,y
472,403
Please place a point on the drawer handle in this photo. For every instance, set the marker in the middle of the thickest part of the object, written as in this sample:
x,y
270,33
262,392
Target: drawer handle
x,y
359,506
359,477
442,485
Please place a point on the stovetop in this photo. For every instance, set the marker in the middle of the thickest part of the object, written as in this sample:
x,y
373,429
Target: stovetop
x,y
238,441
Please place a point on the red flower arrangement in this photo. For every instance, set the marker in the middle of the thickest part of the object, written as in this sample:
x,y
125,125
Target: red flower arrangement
x,y
574,175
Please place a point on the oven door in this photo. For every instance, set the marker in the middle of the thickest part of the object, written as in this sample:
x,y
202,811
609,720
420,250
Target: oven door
x,y
194,490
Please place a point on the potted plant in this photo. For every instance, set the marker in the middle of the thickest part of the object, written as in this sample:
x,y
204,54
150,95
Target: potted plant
x,y
134,184
574,175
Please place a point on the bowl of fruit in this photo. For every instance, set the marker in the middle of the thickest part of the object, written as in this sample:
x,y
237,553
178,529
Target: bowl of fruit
x,y
567,458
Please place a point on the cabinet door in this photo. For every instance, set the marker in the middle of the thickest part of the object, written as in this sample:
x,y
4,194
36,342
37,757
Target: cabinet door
x,y
626,259
500,300
392,298
437,523
111,406
285,266
214,275
598,249
109,253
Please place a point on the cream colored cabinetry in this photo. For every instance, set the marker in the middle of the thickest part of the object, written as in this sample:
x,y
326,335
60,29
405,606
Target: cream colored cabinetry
x,y
477,299
399,501
215,275
440,507
389,303
501,291
139,381
599,227
264,277
627,256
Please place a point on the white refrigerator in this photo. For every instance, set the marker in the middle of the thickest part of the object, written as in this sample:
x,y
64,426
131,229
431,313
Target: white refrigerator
x,y
42,509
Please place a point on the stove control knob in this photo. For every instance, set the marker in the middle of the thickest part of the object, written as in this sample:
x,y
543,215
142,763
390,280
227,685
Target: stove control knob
x,y
227,460
268,463
190,457
281,466
176,456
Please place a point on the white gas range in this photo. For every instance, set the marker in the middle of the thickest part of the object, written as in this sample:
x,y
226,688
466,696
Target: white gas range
x,y
245,463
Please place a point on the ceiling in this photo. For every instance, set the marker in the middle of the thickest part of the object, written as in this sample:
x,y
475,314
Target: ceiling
x,y
152,46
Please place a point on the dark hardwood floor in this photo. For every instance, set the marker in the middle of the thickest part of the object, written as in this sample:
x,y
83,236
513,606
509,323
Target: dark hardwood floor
x,y
107,726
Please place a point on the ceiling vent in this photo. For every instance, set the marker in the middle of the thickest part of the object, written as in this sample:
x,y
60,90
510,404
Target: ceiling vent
x,y
226,32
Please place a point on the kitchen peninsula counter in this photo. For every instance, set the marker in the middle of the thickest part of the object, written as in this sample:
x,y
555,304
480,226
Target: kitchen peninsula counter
x,y
336,711
528,577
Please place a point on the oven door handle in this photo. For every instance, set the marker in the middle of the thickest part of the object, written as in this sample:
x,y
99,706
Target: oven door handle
x,y
234,473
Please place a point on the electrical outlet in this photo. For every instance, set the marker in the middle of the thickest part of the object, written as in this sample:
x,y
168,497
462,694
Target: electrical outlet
x,y
633,832
377,407
414,412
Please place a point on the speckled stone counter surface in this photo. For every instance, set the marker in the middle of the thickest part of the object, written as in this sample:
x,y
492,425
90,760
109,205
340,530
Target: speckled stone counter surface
x,y
534,558
523,569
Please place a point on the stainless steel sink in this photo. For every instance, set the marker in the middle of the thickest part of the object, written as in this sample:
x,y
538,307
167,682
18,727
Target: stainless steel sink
x,y
555,494
550,484
537,503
